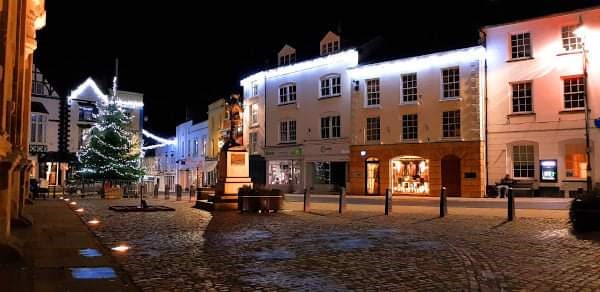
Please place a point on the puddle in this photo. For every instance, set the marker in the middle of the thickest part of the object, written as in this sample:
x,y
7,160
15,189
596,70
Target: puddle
x,y
93,273
276,254
350,244
89,252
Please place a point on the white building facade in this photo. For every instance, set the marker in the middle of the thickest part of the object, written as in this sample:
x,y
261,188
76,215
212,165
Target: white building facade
x,y
191,151
536,93
307,121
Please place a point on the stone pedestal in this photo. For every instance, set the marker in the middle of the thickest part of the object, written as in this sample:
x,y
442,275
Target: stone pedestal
x,y
233,169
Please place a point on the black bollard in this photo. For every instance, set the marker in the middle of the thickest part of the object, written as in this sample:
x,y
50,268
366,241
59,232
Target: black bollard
x,y
191,192
388,201
342,206
306,200
511,205
178,191
156,191
443,203
167,192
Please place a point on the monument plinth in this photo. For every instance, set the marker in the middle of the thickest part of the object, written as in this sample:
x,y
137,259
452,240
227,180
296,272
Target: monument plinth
x,y
234,173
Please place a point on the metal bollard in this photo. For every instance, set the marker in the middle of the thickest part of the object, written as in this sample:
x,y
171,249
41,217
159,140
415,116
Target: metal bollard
x,y
342,206
167,191
443,203
156,191
388,201
191,192
178,191
306,200
511,205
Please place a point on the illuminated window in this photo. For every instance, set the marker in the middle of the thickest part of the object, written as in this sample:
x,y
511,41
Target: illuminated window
x,y
451,124
287,59
523,161
373,129
409,88
574,91
282,172
38,128
87,112
521,97
520,45
410,127
570,42
330,127
330,86
451,82
287,93
372,92
254,114
330,48
287,131
575,161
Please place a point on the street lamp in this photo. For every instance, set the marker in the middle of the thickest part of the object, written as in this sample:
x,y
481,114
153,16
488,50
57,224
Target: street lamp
x,y
581,32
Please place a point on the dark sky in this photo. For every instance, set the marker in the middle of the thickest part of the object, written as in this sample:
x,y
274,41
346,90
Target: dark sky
x,y
183,55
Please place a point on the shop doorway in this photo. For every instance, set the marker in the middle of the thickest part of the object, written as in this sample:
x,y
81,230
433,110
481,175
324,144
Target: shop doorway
x,y
372,175
451,175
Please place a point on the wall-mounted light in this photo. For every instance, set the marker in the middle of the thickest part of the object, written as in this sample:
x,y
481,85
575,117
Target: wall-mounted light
x,y
363,153
356,85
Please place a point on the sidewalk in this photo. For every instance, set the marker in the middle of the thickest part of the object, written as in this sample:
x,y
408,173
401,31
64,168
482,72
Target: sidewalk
x,y
61,254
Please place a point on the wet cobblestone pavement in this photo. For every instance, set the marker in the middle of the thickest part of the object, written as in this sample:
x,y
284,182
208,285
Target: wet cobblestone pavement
x,y
192,250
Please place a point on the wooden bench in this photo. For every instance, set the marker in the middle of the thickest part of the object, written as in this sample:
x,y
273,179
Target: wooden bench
x,y
523,185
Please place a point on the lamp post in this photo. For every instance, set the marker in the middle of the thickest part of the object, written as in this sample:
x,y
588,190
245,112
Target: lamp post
x,y
581,32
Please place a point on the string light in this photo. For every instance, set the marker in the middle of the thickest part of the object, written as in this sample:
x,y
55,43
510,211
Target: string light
x,y
154,146
159,139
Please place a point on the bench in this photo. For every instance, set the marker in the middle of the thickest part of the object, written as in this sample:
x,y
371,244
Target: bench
x,y
523,185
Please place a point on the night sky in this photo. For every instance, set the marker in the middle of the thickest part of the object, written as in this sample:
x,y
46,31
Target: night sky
x,y
182,56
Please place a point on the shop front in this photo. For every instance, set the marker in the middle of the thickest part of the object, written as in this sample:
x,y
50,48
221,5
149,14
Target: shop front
x,y
326,164
284,168
409,175
417,169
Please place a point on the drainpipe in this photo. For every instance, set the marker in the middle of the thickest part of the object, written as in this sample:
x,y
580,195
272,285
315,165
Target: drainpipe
x,y
485,96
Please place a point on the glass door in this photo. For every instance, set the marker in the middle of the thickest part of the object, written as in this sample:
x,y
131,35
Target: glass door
x,y
372,183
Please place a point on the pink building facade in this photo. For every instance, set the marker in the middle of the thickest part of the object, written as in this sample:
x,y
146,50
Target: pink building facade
x,y
536,87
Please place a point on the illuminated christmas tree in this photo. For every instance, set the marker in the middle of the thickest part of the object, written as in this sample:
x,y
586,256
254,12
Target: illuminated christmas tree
x,y
112,152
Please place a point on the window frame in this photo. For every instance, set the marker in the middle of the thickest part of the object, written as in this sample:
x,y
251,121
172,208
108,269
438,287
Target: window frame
x,y
578,41
372,133
286,129
331,127
38,128
288,94
254,115
404,89
371,94
521,170
583,92
408,128
446,126
511,47
512,96
443,84
330,87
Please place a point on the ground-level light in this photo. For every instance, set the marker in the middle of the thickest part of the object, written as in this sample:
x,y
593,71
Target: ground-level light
x,y
121,248
80,210
73,203
93,221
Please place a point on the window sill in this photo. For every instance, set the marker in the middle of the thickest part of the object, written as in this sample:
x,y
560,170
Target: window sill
x,y
523,114
375,106
458,98
412,103
572,111
451,139
287,143
410,141
573,52
287,103
519,59
329,96
574,180
254,126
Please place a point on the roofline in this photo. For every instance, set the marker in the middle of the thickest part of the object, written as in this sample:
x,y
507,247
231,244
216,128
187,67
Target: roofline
x,y
557,14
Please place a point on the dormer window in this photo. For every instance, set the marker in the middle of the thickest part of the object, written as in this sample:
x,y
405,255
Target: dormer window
x,y
286,56
330,44
287,59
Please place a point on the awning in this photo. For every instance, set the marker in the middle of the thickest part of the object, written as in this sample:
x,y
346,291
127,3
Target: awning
x,y
38,107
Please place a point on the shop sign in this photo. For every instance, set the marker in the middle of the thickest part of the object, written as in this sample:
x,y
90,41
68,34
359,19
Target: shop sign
x,y
297,152
326,148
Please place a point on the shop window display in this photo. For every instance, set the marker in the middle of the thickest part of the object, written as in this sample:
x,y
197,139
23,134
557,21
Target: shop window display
x,y
322,173
575,161
282,172
410,174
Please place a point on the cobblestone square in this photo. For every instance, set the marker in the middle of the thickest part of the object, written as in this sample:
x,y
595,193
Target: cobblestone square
x,y
191,250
